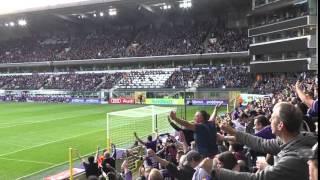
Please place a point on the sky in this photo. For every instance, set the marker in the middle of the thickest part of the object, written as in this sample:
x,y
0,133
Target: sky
x,y
12,6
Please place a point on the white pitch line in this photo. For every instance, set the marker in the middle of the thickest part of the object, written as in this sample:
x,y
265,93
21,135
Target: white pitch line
x,y
28,161
51,142
56,165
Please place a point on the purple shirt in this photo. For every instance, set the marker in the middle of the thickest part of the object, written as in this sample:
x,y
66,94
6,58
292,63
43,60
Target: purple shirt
x,y
313,111
128,175
152,145
265,133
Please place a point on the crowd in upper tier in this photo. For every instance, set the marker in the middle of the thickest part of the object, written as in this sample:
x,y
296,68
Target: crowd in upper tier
x,y
121,42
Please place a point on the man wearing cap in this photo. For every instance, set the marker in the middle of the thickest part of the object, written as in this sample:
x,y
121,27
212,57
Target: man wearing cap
x,y
286,121
187,168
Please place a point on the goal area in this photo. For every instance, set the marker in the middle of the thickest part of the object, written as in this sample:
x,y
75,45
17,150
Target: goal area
x,y
144,120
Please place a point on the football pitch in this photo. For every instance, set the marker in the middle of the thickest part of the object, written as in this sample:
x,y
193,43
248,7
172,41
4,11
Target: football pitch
x,y
36,136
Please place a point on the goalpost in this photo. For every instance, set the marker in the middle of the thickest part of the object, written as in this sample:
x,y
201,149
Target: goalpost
x,y
144,120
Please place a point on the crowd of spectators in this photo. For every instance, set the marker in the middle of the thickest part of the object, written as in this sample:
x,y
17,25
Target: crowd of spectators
x,y
97,45
226,77
169,39
111,80
270,138
22,82
215,77
281,82
281,15
68,82
227,40
74,82
181,79
219,77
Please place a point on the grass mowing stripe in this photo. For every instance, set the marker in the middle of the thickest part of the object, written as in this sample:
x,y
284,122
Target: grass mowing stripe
x,y
27,161
35,122
43,115
82,119
119,126
1,155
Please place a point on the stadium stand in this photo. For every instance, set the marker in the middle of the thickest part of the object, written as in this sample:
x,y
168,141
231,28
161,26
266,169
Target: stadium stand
x,y
147,79
272,137
115,43
216,77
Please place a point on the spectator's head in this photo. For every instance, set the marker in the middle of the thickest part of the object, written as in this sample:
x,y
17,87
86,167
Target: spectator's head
x,y
227,160
149,138
91,159
201,117
242,166
243,118
286,119
303,107
106,155
155,175
254,112
179,155
111,176
294,100
193,159
147,171
260,122
310,94
236,147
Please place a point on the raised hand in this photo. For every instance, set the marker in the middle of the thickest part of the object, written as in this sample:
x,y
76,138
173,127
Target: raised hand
x,y
227,128
220,137
173,115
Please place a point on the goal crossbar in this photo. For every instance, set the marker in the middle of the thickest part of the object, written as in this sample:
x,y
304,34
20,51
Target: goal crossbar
x,y
143,120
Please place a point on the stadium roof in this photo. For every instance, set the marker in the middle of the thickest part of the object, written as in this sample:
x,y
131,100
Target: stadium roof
x,y
20,7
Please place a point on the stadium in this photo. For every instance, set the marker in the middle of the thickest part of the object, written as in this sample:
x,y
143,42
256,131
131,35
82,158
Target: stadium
x,y
159,89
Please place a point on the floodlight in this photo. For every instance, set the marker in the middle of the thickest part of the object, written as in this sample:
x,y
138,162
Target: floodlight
x,y
101,14
112,12
12,24
22,22
185,4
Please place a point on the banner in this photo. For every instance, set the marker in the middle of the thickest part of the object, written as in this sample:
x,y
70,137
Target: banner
x,y
121,101
77,100
86,101
247,98
163,101
207,102
140,97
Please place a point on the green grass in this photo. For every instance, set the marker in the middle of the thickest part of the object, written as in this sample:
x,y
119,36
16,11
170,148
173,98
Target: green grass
x,y
37,136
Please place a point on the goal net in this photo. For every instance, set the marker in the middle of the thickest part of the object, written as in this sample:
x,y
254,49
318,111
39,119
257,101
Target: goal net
x,y
144,120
